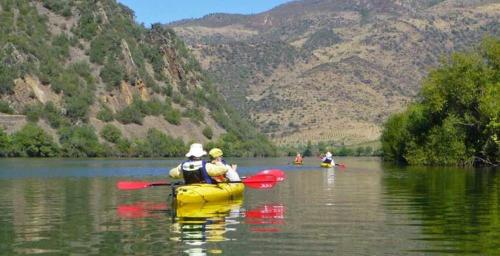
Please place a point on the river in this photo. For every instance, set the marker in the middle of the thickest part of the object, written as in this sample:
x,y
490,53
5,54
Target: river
x,y
64,206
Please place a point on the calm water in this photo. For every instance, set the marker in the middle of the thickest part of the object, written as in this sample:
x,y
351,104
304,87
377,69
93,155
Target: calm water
x,y
61,207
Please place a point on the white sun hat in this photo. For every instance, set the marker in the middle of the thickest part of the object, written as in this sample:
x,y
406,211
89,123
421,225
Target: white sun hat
x,y
196,150
328,154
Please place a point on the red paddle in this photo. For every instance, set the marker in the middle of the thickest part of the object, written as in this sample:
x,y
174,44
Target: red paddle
x,y
260,181
256,181
279,174
129,185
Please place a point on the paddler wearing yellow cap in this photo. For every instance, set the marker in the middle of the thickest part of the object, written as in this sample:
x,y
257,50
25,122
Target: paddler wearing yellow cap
x,y
216,156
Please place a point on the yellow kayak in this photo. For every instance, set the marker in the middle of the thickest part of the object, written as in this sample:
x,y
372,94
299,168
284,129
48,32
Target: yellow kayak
x,y
206,193
326,165
208,210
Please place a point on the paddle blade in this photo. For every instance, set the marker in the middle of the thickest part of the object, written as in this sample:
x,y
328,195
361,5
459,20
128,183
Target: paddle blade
x,y
341,165
260,181
279,174
131,185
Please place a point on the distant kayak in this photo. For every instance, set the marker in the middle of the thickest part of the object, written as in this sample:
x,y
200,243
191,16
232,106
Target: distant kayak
x,y
297,163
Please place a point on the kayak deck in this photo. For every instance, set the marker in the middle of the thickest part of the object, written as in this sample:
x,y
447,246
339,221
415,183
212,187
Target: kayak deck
x,y
326,165
205,193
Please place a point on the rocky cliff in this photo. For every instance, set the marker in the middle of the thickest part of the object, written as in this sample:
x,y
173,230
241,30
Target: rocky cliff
x,y
77,63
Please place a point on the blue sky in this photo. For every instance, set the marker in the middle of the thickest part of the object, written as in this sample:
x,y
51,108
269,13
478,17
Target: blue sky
x,y
152,11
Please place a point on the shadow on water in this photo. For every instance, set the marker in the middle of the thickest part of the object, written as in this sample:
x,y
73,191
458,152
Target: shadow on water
x,y
457,209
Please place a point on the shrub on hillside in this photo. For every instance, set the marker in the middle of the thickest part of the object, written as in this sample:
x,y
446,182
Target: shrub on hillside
x,y
7,76
194,114
58,6
87,25
112,74
173,116
33,112
130,114
60,46
110,133
77,108
207,132
5,107
105,114
53,115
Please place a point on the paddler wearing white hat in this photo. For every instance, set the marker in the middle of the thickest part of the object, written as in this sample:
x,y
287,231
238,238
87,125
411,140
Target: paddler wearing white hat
x,y
197,170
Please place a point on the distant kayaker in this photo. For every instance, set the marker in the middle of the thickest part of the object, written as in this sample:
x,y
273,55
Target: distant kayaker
x,y
328,159
196,170
298,159
216,155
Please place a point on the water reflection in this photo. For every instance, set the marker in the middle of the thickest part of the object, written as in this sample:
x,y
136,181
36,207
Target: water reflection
x,y
458,210
192,219
330,177
142,210
365,209
197,225
266,217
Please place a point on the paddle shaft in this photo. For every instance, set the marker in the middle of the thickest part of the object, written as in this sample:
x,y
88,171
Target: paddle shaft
x,y
256,181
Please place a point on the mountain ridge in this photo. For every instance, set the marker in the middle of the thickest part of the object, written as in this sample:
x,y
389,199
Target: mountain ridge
x,y
333,70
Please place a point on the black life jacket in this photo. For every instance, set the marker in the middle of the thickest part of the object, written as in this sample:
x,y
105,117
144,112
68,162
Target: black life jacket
x,y
196,172
327,161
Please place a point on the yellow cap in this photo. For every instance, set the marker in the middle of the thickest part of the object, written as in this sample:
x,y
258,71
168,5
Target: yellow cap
x,y
215,152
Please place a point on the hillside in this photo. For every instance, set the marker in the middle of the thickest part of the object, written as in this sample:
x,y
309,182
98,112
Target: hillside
x,y
85,71
333,70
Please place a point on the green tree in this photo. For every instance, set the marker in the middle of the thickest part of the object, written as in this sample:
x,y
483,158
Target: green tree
x,y
5,144
32,141
368,151
124,147
456,121
359,151
80,141
164,145
308,150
